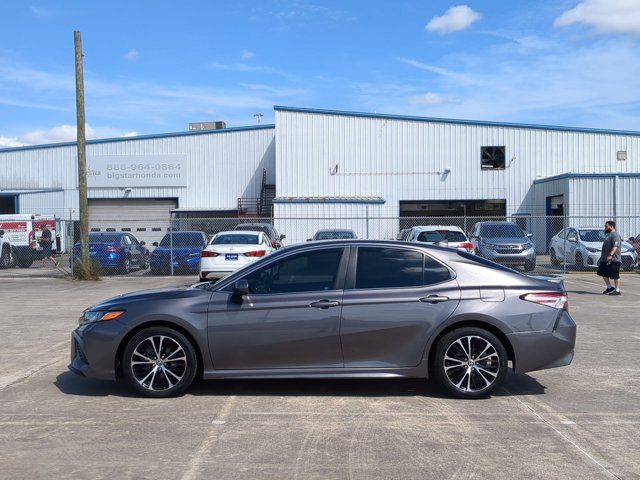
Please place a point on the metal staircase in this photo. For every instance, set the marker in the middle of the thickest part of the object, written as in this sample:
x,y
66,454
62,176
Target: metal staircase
x,y
262,206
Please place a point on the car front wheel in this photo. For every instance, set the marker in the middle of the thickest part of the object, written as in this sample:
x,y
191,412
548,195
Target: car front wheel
x,y
470,362
159,362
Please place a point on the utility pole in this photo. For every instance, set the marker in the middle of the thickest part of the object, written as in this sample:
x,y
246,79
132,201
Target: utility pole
x,y
82,151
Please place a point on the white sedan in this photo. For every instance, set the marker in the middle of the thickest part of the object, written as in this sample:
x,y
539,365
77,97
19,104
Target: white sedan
x,y
449,236
230,251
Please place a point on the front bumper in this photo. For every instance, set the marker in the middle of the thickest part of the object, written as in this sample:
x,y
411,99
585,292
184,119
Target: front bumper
x,y
541,350
526,256
94,349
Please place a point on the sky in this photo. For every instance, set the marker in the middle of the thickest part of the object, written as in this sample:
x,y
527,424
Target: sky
x,y
153,67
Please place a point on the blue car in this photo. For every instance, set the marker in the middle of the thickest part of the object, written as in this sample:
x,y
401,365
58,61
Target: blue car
x,y
120,252
186,248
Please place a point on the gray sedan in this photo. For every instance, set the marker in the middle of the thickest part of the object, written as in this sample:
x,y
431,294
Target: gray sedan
x,y
337,309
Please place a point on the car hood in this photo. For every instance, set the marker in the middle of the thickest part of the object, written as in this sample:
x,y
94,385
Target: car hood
x,y
146,295
505,240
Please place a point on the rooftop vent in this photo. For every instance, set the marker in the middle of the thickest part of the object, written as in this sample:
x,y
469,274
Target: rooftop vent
x,y
207,126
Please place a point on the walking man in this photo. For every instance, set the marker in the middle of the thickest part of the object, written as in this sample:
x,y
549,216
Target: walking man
x,y
46,242
610,259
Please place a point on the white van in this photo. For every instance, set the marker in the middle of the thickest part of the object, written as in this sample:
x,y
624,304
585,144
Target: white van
x,y
22,232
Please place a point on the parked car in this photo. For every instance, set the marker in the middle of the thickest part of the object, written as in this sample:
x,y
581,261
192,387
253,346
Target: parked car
x,y
505,243
581,247
449,236
180,248
114,251
229,251
333,234
266,228
347,309
635,241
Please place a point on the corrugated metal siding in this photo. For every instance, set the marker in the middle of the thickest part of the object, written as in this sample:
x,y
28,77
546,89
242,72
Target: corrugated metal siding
x,y
222,166
399,159
43,203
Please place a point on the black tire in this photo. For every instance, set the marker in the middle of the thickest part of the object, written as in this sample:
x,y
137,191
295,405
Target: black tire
x,y
579,263
204,279
160,381
529,266
6,259
553,258
497,363
126,265
25,263
146,263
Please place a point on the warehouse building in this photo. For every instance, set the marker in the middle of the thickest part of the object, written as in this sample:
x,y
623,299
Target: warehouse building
x,y
370,172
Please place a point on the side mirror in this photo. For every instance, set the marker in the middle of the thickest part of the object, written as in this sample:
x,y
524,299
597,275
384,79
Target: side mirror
x,y
155,244
529,235
309,239
241,288
283,236
631,239
143,243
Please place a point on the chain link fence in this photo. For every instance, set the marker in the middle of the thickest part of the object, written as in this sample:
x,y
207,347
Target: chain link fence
x,y
539,244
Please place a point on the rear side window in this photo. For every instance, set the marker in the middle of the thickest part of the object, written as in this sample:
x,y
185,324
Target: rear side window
x,y
430,237
383,267
485,262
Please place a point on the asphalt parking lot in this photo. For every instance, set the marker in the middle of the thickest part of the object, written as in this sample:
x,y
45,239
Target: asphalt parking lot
x,y
582,421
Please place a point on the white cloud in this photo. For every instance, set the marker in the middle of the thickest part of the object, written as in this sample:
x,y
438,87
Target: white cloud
x,y
242,67
426,99
247,55
132,55
604,16
62,133
455,19
38,11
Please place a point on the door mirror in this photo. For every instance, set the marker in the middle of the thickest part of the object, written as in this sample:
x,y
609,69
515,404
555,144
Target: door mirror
x,y
283,236
155,244
309,239
631,239
529,235
143,243
241,288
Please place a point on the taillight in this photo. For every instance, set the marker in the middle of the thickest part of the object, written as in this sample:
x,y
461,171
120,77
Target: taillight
x,y
255,253
113,249
208,253
468,246
559,300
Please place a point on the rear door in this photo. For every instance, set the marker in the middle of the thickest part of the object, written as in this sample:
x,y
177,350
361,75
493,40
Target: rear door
x,y
394,296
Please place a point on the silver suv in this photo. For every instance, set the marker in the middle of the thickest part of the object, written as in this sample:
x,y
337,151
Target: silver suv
x,y
504,243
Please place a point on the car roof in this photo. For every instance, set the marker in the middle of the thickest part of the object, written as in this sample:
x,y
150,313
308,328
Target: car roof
x,y
435,228
496,222
255,224
335,230
111,234
240,232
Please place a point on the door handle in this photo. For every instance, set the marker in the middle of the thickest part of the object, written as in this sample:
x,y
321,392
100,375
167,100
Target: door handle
x,y
324,304
434,299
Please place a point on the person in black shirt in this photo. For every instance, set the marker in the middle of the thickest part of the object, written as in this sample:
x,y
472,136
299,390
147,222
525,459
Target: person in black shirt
x,y
46,243
610,259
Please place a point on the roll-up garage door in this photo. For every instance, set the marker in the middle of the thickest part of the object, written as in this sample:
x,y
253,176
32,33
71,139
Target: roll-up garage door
x,y
146,219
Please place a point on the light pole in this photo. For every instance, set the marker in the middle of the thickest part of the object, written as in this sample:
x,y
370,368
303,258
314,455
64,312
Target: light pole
x,y
258,116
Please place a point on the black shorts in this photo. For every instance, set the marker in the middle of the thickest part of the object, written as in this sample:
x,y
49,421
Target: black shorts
x,y
609,270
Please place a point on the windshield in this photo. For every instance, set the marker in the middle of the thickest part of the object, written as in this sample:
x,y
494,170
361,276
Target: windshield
x,y
255,228
104,238
431,237
501,230
334,235
182,240
235,239
592,235
453,236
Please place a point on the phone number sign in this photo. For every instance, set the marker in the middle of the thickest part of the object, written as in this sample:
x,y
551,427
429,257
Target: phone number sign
x,y
123,171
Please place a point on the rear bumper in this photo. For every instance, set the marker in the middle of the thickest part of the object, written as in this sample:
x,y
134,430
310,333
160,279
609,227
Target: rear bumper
x,y
545,349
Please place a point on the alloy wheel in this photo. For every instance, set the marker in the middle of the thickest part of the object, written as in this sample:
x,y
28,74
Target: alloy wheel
x,y
471,363
158,363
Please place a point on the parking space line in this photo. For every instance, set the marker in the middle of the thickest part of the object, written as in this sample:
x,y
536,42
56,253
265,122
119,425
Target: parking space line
x,y
210,440
563,436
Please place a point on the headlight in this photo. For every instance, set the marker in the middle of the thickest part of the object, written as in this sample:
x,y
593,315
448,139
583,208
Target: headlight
x,y
93,316
592,250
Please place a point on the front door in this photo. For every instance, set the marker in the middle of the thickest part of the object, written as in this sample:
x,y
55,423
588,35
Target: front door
x,y
291,318
391,306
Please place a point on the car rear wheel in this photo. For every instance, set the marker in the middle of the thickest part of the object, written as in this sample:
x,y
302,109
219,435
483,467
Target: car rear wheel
x,y
529,266
159,362
554,258
579,262
470,362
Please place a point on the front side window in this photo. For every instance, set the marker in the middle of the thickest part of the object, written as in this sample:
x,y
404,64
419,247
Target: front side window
x,y
592,235
493,158
383,267
305,272
572,237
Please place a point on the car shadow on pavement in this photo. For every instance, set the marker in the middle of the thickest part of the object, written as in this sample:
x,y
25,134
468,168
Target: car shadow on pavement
x,y
520,384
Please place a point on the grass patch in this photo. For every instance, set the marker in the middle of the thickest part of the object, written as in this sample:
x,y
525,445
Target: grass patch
x,y
89,270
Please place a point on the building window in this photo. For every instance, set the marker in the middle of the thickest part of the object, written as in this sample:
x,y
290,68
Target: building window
x,y
493,158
